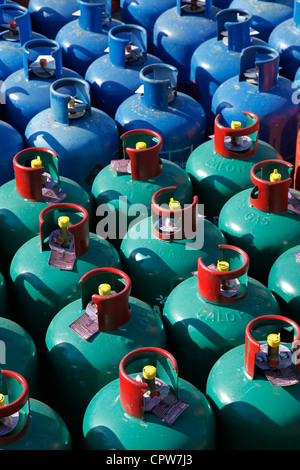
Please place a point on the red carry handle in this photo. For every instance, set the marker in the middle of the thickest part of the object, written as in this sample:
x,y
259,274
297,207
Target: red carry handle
x,y
131,391
113,311
252,346
20,403
221,132
79,231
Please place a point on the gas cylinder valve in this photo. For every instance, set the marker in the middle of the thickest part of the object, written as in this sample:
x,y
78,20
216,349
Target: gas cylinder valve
x,y
149,374
273,341
64,238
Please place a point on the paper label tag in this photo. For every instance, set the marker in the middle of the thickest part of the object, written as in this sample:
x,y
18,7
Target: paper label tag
x,y
283,374
60,257
121,166
87,324
51,193
9,423
297,257
293,203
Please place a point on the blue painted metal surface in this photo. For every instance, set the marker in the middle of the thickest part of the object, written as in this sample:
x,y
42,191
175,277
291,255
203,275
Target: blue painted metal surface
x,y
84,138
27,91
218,59
16,24
116,76
145,13
49,17
179,31
178,118
259,89
285,38
266,14
85,39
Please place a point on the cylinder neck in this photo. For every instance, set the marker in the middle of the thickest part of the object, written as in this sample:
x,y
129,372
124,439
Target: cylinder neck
x,y
271,196
113,309
251,130
35,48
259,65
145,162
131,391
233,29
127,44
78,229
20,15
252,347
92,15
210,280
75,95
183,224
29,180
18,401
160,85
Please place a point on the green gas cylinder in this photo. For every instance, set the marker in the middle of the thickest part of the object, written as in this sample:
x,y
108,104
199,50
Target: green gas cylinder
x,y
264,221
27,423
284,282
206,315
124,188
151,410
37,184
161,251
3,297
254,389
220,167
18,353
46,270
87,339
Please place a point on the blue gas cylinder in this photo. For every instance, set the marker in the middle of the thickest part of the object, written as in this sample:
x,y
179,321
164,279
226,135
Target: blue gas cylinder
x,y
116,76
123,195
27,91
189,23
85,39
144,13
82,357
46,270
16,24
27,423
84,138
259,89
207,314
285,38
266,14
218,59
49,17
37,184
178,118
162,250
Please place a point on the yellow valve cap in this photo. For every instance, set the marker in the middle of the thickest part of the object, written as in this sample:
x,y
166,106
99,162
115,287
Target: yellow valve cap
x,y
140,145
1,399
104,289
223,266
236,124
275,176
63,221
149,372
273,340
36,162
173,205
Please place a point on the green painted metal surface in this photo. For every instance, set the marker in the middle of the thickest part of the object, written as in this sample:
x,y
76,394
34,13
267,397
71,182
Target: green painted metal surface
x,y
42,290
284,282
157,266
216,178
106,426
252,413
78,368
200,332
